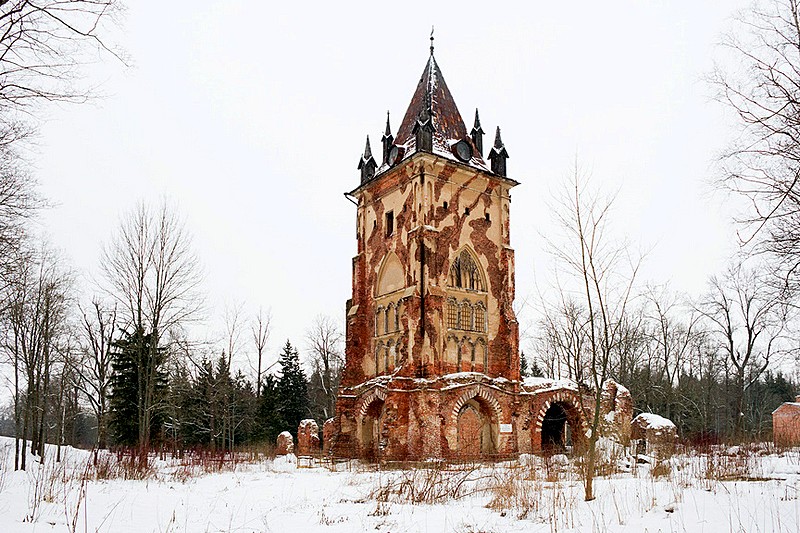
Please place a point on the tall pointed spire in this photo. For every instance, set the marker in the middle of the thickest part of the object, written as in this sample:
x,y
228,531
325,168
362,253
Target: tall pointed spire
x,y
431,104
387,140
367,164
498,155
477,134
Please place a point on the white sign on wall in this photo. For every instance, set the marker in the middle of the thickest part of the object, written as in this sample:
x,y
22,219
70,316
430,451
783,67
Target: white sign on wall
x,y
505,428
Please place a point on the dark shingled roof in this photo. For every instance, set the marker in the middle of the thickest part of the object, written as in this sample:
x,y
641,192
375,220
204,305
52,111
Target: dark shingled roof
x,y
448,126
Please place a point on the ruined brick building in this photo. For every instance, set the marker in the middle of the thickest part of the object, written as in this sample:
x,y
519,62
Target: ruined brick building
x,y
432,361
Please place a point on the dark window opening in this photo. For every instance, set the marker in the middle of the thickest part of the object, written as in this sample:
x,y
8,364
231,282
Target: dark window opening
x,y
488,218
445,205
466,210
389,223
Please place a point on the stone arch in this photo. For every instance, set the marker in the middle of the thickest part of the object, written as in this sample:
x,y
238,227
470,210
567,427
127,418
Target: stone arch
x,y
475,421
466,271
370,424
390,319
378,352
379,321
477,392
569,402
391,275
378,393
451,349
465,351
482,355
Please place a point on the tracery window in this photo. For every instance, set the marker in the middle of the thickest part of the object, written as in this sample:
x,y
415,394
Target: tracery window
x,y
466,315
480,317
452,313
465,274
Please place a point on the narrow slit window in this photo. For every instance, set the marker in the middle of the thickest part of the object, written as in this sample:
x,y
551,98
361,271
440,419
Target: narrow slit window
x,y
389,223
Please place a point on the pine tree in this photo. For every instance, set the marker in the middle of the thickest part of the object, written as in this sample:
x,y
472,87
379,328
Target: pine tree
x,y
523,365
138,385
270,422
292,390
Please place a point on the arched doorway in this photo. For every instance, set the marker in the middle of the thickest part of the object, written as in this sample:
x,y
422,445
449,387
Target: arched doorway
x,y
559,428
371,429
477,434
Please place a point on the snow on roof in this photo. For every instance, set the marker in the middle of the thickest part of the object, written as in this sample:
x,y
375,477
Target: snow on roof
x,y
541,384
653,421
790,405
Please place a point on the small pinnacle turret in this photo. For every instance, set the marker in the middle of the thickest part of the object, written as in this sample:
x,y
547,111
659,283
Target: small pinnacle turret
x,y
387,140
423,131
498,155
367,164
477,134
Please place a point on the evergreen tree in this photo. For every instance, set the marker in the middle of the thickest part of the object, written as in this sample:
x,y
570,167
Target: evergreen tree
x,y
293,405
523,365
138,383
270,422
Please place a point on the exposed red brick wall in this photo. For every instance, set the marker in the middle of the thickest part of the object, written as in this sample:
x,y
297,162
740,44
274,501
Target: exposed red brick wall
x,y
786,424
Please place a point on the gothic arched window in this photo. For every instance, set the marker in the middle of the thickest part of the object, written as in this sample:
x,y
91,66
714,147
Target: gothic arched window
x,y
466,315
465,273
452,313
379,321
480,317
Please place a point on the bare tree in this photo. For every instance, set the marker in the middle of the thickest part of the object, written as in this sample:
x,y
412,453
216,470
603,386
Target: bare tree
x,y
154,275
260,330
748,317
762,86
233,329
94,368
43,42
324,340
37,322
602,275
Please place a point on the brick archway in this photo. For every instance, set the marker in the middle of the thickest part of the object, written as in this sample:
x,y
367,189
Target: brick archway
x,y
474,420
370,424
481,393
567,400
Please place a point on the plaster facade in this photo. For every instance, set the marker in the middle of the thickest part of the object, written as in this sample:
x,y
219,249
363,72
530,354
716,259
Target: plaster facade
x,y
432,359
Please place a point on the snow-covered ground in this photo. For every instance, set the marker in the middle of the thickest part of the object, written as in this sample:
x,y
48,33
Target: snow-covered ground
x,y
737,490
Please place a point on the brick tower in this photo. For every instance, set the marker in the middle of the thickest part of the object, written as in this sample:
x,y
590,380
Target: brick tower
x,y
432,360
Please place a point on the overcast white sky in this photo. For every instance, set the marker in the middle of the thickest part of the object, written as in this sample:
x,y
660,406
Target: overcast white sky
x,y
251,116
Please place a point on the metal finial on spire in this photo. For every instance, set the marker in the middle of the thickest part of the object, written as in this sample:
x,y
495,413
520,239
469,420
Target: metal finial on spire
x,y
431,40
388,128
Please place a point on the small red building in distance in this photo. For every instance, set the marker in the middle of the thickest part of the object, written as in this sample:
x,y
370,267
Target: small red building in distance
x,y
786,423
